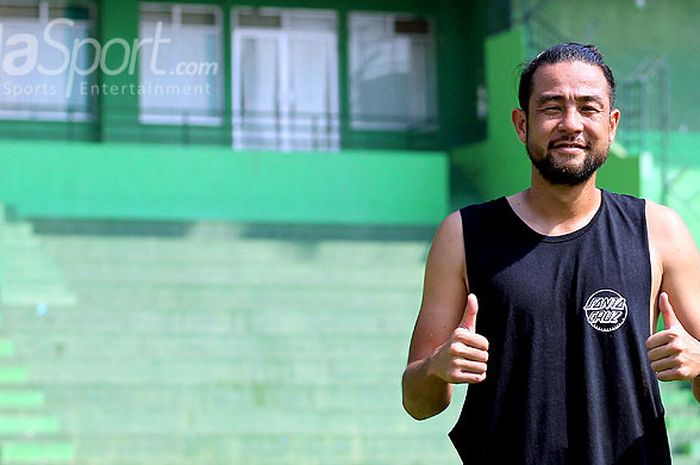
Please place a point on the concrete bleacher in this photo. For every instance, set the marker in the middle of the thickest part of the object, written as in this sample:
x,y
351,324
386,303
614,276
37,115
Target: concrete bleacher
x,y
214,344
210,347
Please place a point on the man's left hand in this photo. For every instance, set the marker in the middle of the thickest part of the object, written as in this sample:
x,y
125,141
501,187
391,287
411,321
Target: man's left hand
x,y
674,354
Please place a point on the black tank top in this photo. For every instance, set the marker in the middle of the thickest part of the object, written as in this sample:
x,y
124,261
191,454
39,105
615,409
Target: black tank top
x,y
567,317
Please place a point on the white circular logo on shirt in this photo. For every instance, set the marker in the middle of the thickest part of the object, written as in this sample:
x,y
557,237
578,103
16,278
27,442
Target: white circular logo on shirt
x,y
606,310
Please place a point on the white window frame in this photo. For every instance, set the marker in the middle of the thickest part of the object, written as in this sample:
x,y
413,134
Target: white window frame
x,y
176,10
43,19
431,62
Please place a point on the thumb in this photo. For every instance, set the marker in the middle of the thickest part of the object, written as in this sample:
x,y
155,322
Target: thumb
x,y
667,311
469,319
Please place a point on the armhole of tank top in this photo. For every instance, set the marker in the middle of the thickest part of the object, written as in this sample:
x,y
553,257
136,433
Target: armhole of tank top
x,y
653,317
464,246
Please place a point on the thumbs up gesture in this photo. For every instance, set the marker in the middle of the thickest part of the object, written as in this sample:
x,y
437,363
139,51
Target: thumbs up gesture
x,y
674,354
462,358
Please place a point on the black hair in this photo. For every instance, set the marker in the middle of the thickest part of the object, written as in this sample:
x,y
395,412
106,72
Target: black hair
x,y
566,51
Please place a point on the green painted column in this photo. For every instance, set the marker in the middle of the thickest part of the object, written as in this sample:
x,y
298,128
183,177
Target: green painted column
x,y
118,103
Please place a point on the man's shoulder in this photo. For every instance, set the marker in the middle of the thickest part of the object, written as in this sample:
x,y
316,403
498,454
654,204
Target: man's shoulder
x,y
664,222
482,207
452,225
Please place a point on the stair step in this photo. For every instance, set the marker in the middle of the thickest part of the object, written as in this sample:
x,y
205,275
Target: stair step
x,y
21,399
7,348
684,423
49,321
13,375
154,397
262,296
400,448
173,252
36,452
28,425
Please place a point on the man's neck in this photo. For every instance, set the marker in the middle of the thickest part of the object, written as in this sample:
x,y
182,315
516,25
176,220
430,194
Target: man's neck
x,y
556,209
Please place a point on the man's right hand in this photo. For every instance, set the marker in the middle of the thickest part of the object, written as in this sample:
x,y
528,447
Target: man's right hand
x,y
462,358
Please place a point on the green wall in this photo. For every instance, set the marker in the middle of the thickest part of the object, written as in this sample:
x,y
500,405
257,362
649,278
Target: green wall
x,y
499,165
129,181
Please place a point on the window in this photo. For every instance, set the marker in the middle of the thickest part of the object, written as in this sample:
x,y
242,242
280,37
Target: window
x,y
392,72
285,79
45,60
180,79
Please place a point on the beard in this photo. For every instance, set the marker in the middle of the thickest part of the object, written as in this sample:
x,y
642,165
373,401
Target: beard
x,y
562,174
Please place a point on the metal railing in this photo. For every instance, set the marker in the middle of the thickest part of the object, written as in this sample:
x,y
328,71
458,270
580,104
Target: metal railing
x,y
286,131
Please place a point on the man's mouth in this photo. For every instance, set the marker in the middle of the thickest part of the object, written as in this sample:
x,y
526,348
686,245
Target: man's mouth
x,y
567,145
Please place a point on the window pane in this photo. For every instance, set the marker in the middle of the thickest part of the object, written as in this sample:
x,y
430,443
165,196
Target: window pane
x,y
46,95
198,19
19,11
257,20
259,76
181,83
410,26
391,66
256,116
308,21
74,12
309,76
156,16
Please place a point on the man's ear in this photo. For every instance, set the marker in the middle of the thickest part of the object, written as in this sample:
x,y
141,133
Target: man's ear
x,y
520,123
614,122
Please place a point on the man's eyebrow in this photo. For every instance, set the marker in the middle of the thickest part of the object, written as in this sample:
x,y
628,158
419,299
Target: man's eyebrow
x,y
591,98
544,98
549,98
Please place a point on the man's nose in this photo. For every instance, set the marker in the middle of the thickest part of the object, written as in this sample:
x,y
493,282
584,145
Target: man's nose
x,y
572,121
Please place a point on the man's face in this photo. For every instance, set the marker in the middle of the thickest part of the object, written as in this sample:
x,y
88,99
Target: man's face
x,y
570,124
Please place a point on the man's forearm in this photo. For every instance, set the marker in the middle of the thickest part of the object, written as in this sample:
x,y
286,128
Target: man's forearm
x,y
424,395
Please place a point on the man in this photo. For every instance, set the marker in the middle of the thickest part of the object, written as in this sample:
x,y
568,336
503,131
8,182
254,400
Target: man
x,y
545,301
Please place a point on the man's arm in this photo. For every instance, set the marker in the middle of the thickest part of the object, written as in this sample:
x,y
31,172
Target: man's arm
x,y
675,351
444,347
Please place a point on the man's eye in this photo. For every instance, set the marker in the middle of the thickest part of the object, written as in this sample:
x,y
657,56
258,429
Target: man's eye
x,y
551,109
588,109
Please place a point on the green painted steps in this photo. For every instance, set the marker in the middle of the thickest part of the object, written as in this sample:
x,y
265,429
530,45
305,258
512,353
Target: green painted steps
x,y
219,353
